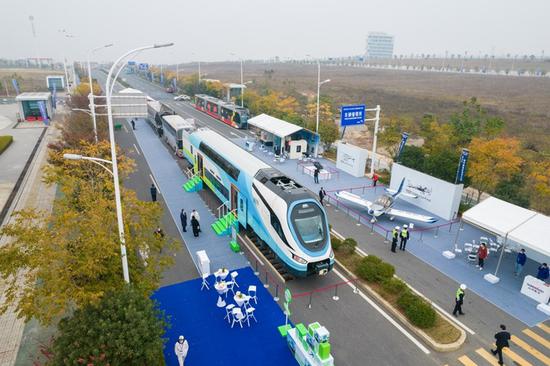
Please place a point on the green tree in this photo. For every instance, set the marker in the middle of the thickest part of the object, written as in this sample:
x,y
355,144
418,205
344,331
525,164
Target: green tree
x,y
124,328
474,121
513,190
442,165
413,157
389,135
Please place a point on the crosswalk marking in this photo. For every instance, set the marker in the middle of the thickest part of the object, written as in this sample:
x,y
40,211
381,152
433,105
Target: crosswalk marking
x,y
532,351
544,327
466,361
487,356
537,338
515,357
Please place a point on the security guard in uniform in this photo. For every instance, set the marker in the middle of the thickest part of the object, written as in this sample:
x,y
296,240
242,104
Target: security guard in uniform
x,y
394,238
404,237
459,300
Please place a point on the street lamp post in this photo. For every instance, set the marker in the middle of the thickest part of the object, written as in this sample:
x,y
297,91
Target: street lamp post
x,y
242,80
92,103
116,182
319,83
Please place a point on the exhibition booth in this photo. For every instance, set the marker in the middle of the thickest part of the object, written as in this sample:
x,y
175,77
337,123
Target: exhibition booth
x,y
516,228
283,138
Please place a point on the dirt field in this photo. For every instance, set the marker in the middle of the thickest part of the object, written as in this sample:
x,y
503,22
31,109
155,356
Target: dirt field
x,y
523,102
32,80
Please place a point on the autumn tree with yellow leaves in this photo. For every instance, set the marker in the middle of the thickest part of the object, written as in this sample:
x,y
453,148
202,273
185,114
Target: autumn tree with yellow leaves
x,y
493,161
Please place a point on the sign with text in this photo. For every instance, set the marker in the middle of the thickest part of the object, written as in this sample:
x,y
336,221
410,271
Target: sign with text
x,y
352,115
536,289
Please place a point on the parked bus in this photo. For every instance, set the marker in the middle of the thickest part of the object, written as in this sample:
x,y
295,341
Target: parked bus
x,y
228,113
155,110
175,128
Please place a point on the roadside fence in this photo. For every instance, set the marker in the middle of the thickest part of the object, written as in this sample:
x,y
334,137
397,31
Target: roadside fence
x,y
330,289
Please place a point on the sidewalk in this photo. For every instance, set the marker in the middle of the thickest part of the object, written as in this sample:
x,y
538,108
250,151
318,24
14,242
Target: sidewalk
x,y
35,194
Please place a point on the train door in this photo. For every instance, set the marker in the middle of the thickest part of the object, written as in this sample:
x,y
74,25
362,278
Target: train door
x,y
199,166
242,213
234,197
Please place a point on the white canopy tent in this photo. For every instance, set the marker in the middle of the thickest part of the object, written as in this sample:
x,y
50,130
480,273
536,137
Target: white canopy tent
x,y
273,125
515,224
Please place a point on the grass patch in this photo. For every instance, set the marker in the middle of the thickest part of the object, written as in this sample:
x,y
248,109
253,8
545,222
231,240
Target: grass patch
x,y
5,141
391,290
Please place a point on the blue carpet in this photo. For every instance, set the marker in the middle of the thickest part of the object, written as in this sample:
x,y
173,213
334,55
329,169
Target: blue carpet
x,y
194,314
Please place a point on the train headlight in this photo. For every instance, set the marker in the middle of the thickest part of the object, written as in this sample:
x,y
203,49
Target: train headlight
x,y
299,259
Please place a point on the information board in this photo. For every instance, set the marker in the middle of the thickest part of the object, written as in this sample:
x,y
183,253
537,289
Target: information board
x,y
352,115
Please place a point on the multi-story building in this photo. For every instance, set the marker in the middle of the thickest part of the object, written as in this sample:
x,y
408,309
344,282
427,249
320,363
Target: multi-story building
x,y
379,45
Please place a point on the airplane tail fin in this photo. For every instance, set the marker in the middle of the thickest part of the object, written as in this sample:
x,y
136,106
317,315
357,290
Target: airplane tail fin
x,y
395,192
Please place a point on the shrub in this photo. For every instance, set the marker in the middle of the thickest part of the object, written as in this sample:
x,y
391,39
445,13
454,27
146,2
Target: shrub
x,y
394,286
418,311
5,141
349,245
336,243
373,269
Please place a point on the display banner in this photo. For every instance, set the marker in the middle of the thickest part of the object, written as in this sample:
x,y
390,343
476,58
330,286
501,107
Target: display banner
x,y
351,159
461,171
43,113
15,85
404,137
536,289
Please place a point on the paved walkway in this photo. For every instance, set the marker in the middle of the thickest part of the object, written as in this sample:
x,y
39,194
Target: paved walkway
x,y
34,194
170,179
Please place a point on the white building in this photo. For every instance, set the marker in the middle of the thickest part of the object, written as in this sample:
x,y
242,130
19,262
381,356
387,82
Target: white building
x,y
379,45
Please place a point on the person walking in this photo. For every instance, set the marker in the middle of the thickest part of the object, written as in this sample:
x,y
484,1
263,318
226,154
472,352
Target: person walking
x,y
501,341
153,190
183,219
481,255
459,300
374,179
195,226
394,238
520,262
181,349
542,273
404,237
316,175
133,124
322,195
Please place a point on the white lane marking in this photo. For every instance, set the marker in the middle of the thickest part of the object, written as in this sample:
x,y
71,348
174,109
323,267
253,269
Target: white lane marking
x,y
233,133
386,315
439,308
125,129
137,150
154,182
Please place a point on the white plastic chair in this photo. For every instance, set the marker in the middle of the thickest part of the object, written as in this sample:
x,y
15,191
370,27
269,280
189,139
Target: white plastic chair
x,y
252,293
234,275
230,286
228,310
457,249
205,281
250,314
238,316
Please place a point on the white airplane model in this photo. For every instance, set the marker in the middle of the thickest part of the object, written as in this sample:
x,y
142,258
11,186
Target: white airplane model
x,y
383,205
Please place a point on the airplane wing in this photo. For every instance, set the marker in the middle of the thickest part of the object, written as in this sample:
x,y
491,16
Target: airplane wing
x,y
354,200
396,193
411,216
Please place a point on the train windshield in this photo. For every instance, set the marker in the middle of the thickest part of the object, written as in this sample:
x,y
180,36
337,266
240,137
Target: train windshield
x,y
309,223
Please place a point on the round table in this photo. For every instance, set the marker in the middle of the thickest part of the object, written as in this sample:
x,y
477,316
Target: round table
x,y
222,289
222,274
241,300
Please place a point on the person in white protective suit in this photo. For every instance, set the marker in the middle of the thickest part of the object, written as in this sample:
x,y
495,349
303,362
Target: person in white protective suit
x,y
181,348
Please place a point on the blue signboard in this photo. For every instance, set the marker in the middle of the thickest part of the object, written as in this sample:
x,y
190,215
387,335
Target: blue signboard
x,y
352,115
131,63
461,171
143,66
404,137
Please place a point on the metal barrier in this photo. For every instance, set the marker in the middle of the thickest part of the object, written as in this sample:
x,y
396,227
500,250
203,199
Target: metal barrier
x,y
327,289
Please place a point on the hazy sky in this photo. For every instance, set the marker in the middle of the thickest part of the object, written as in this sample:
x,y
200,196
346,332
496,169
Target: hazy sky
x,y
254,29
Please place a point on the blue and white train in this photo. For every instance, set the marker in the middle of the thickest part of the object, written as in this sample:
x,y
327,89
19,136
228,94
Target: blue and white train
x,y
285,215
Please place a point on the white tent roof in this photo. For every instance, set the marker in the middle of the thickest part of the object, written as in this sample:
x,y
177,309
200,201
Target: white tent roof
x,y
525,227
273,125
130,91
533,234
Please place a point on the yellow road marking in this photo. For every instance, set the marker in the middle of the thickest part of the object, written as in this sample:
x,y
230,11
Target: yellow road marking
x,y
487,356
544,327
537,338
515,357
466,361
532,351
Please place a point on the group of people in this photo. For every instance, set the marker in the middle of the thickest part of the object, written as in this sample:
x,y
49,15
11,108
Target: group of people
x,y
543,272
195,222
401,235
